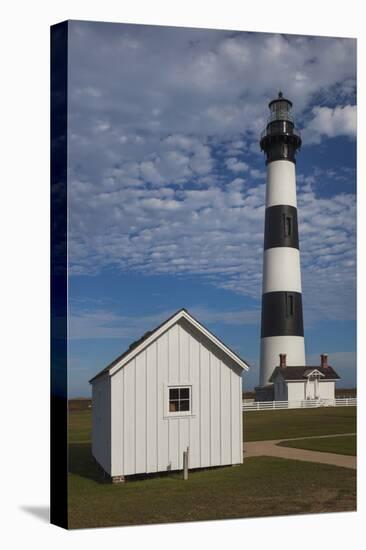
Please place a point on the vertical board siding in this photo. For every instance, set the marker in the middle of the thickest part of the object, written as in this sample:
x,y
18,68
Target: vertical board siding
x,y
215,412
163,427
184,356
145,437
225,416
204,411
184,430
117,430
101,422
235,419
173,355
151,409
140,407
129,418
194,421
240,416
173,443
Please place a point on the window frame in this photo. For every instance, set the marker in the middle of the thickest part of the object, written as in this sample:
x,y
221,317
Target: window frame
x,y
290,304
168,412
287,225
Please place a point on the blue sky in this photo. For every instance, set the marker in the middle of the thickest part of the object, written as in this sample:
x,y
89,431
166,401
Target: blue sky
x,y
167,182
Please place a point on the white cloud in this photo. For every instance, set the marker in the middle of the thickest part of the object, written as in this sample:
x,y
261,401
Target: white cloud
x,y
216,233
146,189
194,81
99,323
232,318
150,173
339,121
257,174
236,165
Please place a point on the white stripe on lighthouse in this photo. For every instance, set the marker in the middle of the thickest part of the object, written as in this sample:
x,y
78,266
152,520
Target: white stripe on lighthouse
x,y
281,183
272,346
281,269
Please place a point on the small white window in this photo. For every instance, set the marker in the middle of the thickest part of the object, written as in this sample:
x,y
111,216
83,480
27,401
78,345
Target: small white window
x,y
179,399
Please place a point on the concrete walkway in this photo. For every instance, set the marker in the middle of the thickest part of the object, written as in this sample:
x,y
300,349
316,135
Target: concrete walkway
x,y
270,448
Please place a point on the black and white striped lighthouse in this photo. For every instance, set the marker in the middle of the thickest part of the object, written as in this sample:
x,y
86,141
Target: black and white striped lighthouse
x,y
282,330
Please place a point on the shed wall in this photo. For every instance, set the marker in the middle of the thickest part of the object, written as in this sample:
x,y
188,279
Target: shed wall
x,y
280,389
145,437
101,422
296,391
327,389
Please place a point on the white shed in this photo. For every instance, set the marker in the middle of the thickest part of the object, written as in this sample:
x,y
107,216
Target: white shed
x,y
177,387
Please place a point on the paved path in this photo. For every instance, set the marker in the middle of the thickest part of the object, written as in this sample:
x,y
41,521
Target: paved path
x,y
270,448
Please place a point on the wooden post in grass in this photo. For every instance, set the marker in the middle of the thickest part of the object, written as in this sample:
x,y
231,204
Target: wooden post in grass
x,y
185,465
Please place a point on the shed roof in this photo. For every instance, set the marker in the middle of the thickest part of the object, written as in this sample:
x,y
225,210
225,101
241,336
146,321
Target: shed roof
x,y
301,373
146,339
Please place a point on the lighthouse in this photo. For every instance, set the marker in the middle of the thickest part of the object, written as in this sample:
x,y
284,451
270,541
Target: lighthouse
x,y
282,329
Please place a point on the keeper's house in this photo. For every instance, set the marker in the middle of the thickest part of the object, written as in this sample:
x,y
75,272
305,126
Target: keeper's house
x,y
177,387
294,384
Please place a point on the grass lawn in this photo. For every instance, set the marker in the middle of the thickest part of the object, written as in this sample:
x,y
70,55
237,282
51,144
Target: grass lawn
x,y
262,486
343,445
80,423
262,425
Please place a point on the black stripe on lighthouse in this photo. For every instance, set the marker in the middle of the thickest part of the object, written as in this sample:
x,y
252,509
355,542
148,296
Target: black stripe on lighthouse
x,y
282,314
280,228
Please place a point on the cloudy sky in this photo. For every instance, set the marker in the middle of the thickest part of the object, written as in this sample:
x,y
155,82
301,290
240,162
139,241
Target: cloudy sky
x,y
167,182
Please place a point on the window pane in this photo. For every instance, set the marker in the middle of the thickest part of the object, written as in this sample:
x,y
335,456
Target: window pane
x,y
173,393
288,226
179,399
184,405
173,406
184,393
290,304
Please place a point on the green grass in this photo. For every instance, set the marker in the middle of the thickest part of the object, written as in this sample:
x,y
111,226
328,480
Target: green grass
x,y
80,426
343,445
262,486
261,425
284,424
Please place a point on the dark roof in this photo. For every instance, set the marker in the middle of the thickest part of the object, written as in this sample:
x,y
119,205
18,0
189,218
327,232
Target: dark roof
x,y
300,373
149,333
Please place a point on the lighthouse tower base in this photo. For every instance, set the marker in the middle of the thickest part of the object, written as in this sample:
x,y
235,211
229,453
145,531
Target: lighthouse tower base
x,y
264,393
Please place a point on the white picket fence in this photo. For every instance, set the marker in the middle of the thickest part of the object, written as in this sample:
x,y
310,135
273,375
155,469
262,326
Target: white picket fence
x,y
251,405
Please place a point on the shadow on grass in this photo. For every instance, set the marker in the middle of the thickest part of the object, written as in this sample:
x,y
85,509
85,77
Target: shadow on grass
x,y
83,464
